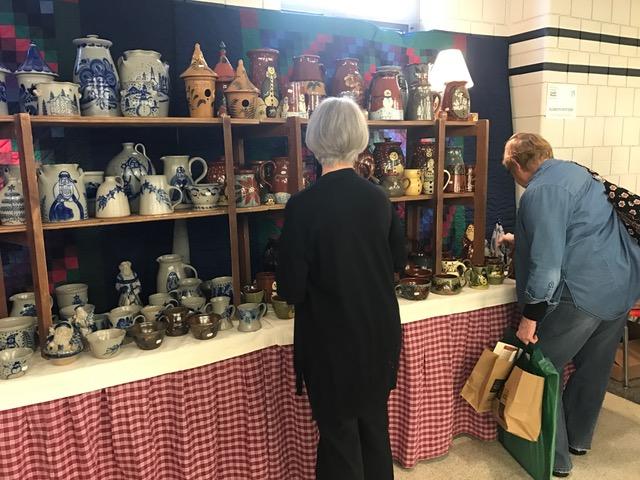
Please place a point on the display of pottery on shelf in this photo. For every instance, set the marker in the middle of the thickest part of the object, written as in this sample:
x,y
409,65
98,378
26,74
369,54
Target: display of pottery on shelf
x,y
264,76
4,104
131,164
96,73
62,194
226,74
178,170
241,95
200,85
34,70
12,204
144,79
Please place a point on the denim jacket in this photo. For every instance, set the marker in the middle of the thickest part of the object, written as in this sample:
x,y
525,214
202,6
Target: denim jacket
x,y
568,234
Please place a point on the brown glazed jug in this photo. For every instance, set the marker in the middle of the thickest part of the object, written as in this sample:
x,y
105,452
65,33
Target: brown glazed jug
x,y
348,80
281,175
307,68
264,76
387,95
389,158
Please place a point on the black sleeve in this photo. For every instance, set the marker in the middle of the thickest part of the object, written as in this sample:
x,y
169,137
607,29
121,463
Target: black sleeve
x,y
291,274
535,311
396,242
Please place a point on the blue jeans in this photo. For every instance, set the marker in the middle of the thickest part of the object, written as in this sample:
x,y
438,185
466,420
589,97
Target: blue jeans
x,y
568,334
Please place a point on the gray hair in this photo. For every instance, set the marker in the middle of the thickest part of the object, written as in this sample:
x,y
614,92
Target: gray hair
x,y
337,132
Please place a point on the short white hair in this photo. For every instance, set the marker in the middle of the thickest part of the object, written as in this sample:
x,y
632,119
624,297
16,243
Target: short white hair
x,y
337,132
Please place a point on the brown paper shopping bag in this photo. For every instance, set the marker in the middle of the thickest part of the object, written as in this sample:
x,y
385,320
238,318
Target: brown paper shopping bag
x,y
519,408
486,380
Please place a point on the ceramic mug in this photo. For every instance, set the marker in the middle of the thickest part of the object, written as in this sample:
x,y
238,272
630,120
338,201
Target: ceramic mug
x,y
197,304
125,317
477,277
447,284
162,299
252,294
155,197
414,175
496,273
455,267
72,294
413,288
250,315
187,287
152,312
176,320
282,309
221,286
220,306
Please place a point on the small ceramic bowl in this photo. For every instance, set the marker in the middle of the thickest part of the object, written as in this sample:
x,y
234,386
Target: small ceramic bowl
x,y
204,195
252,294
204,326
17,332
283,310
148,335
106,343
413,288
14,362
282,197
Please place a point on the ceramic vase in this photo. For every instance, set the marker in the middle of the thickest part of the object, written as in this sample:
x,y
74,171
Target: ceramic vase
x,y
32,71
178,171
111,200
247,189
62,194
132,164
264,76
92,180
348,81
155,196
171,270
386,99
58,99
4,105
12,207
97,76
216,173
241,95
145,84
200,85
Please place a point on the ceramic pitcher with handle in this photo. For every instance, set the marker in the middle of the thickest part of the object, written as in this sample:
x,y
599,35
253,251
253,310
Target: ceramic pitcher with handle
x,y
132,164
62,194
179,174
171,270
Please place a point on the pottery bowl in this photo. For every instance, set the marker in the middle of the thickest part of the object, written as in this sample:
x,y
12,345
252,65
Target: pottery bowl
x,y
204,195
14,362
106,343
252,294
17,332
447,284
72,294
149,335
413,288
417,271
282,197
283,310
204,325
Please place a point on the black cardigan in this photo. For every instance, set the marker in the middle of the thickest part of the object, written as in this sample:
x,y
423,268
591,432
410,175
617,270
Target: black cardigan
x,y
340,245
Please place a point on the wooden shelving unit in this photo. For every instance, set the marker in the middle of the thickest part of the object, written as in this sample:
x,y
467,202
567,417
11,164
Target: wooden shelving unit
x,y
235,132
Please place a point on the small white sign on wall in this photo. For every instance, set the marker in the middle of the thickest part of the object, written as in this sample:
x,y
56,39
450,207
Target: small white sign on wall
x,y
561,100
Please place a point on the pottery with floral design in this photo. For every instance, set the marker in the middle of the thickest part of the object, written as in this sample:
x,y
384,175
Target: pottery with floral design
x,y
348,81
247,189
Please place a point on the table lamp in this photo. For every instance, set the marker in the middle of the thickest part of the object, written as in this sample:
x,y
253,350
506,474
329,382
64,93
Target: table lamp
x,y
450,73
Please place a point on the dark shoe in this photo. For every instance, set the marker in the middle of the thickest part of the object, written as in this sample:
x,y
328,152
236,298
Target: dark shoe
x,y
561,474
577,451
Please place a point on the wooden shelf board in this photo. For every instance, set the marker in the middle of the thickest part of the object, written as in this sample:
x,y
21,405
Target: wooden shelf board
x,y
12,229
411,198
44,121
6,119
393,124
459,195
261,208
99,222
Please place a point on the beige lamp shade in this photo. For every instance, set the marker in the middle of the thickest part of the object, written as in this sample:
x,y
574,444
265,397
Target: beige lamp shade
x,y
449,67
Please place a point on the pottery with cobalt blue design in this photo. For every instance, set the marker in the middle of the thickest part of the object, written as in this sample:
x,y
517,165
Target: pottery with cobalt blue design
x,y
4,105
58,99
250,315
144,81
111,200
132,164
12,206
17,332
14,363
23,304
63,344
62,194
171,270
178,169
72,294
32,71
97,76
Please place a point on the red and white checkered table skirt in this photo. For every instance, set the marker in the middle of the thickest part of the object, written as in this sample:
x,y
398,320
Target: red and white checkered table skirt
x,y
240,418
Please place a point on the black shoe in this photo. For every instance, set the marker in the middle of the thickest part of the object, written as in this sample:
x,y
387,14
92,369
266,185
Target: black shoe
x,y
577,451
561,474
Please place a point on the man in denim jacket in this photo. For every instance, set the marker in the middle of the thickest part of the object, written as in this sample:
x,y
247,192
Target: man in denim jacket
x,y
577,276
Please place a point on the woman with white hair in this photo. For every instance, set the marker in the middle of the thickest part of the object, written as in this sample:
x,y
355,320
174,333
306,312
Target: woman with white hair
x,y
340,246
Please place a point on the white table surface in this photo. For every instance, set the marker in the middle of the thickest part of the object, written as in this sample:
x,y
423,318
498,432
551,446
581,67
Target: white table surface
x,y
44,381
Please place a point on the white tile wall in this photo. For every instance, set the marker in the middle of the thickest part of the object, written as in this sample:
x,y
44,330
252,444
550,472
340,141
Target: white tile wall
x,y
581,8
601,10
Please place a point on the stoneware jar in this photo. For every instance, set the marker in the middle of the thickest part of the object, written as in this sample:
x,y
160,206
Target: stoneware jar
x,y
388,157
241,95
386,98
23,304
264,75
171,270
132,164
281,175
365,165
267,281
200,85
14,362
145,84
32,71
58,99
111,201
4,105
62,194
308,70
12,209
178,170
92,180
155,198
17,332
97,76
348,80
247,189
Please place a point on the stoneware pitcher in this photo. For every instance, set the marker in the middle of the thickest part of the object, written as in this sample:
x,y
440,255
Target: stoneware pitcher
x,y
179,174
58,99
170,271
155,198
62,194
132,164
97,76
111,201
145,84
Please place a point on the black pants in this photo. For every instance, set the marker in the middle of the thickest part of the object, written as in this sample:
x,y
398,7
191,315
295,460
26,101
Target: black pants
x,y
355,448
